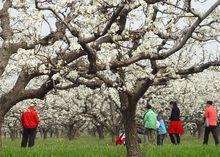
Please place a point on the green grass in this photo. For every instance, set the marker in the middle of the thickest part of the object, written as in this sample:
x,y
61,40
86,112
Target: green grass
x,y
92,147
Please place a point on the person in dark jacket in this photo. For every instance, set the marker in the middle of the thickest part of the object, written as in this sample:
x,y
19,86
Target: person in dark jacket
x,y
29,121
176,127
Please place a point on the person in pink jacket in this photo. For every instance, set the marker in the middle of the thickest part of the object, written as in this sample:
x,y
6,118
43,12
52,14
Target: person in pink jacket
x,y
210,118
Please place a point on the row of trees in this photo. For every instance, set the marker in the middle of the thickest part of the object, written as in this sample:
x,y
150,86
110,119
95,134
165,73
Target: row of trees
x,y
129,46
71,110
66,113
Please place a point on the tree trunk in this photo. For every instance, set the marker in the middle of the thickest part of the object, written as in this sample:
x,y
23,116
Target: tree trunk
x,y
200,130
16,134
51,133
132,145
128,112
63,133
56,133
5,134
100,130
92,132
41,132
1,148
113,136
70,133
45,131
12,135
20,133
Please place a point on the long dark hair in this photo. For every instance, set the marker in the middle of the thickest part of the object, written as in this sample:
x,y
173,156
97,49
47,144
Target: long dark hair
x,y
209,102
174,103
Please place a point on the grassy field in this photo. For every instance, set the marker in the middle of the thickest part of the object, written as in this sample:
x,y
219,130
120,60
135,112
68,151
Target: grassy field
x,y
92,147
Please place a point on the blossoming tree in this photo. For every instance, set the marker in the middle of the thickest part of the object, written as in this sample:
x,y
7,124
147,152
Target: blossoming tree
x,y
130,45
191,95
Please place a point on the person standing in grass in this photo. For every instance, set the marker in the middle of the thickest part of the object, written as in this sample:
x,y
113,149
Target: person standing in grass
x,y
176,126
210,118
29,121
161,131
150,120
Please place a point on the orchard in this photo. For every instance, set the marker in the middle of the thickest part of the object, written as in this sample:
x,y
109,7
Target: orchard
x,y
92,66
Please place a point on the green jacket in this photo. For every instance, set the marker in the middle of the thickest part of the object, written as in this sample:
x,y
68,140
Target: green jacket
x,y
150,119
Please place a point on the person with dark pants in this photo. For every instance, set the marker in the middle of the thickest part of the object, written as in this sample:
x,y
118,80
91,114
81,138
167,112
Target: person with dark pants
x,y
211,129
210,118
161,131
174,138
150,120
160,139
176,126
28,137
30,121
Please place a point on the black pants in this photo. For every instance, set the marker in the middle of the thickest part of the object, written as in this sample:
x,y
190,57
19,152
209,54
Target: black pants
x,y
214,133
175,138
28,137
160,139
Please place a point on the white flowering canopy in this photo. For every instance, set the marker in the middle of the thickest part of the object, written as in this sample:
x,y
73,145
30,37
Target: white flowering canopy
x,y
128,46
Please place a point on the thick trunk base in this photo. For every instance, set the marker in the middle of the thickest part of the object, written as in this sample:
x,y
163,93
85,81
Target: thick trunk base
x,y
132,145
